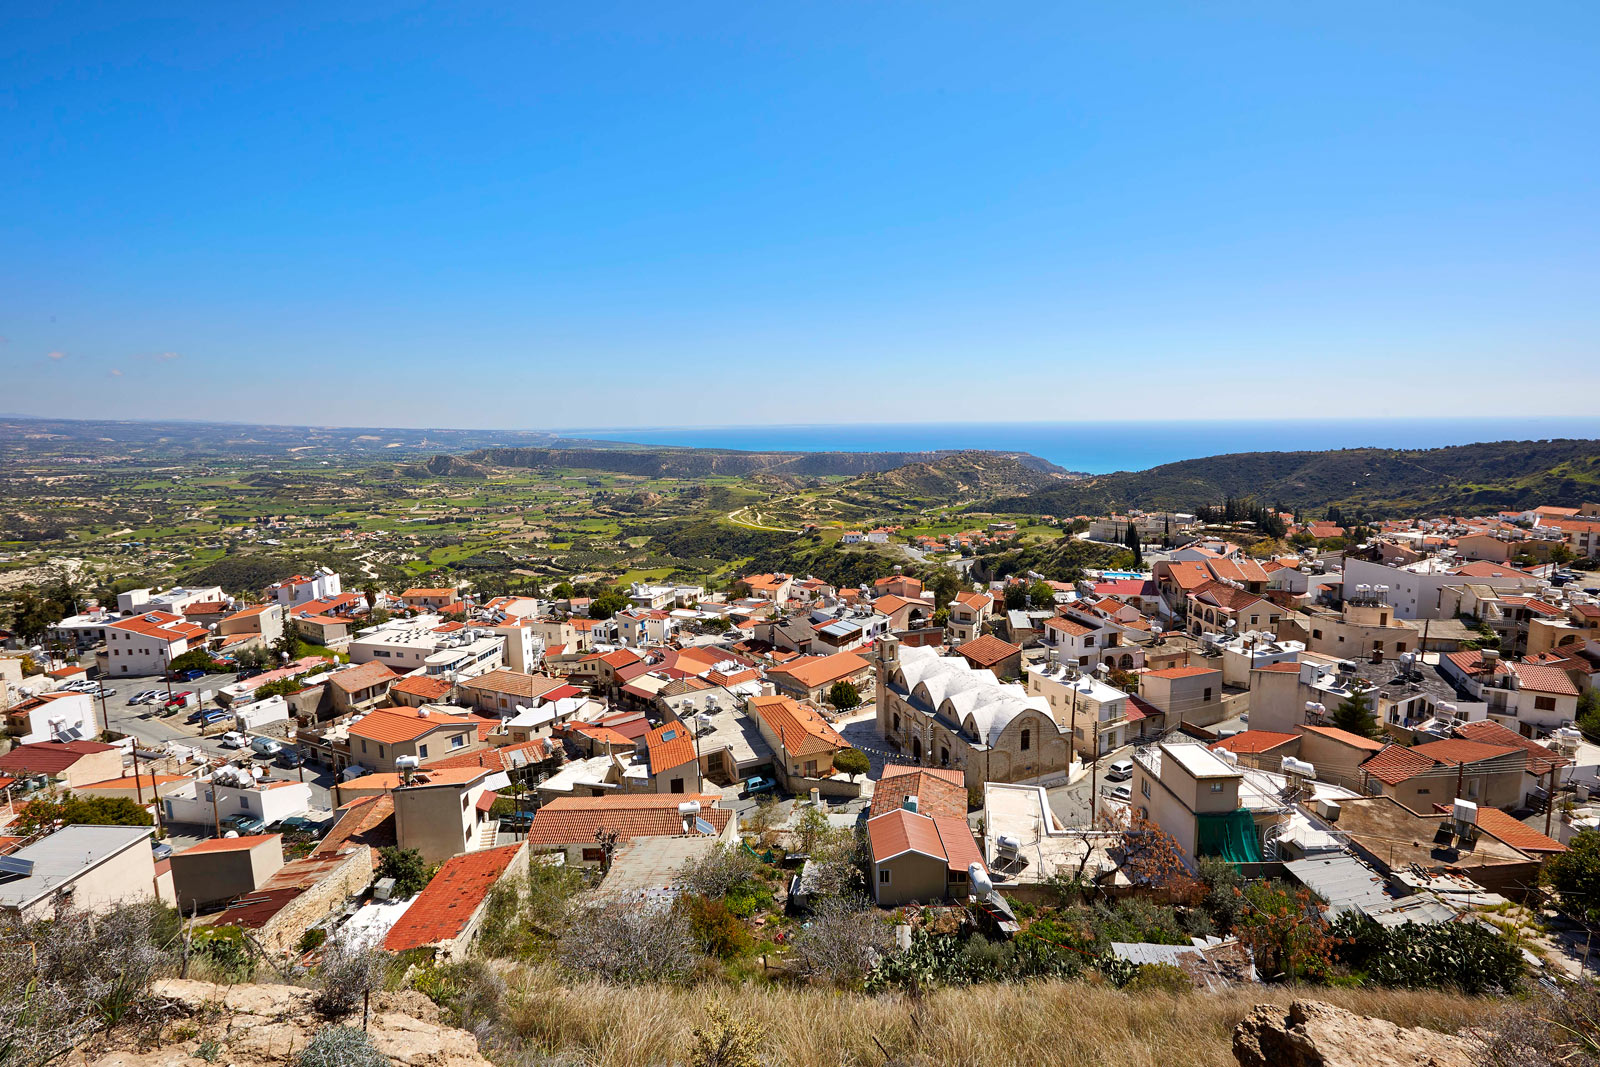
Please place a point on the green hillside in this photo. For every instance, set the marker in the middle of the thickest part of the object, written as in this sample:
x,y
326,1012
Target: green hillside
x,y
1470,479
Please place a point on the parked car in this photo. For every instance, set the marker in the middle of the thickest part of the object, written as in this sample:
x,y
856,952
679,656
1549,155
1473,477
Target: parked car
x,y
181,700
244,824
160,850
265,746
301,824
1123,792
193,675
214,716
247,673
757,784
289,758
1120,771
234,739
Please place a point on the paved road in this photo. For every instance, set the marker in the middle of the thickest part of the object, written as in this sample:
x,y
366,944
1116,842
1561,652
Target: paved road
x,y
155,731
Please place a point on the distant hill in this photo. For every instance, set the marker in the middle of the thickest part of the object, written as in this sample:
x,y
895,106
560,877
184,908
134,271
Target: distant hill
x,y
444,467
703,462
961,477
1473,479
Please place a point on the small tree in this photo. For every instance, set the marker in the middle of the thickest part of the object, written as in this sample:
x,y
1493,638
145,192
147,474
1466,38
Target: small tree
x,y
1354,715
1043,595
844,695
635,942
405,866
1588,716
851,761
1575,875
289,645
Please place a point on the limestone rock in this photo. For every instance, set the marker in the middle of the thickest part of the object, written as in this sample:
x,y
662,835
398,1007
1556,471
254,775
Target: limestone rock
x,y
1314,1034
268,1025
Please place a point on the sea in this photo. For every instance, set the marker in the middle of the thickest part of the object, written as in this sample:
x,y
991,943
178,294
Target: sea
x,y
1102,447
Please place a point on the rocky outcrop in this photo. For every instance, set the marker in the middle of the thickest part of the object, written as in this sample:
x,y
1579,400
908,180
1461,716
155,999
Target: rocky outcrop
x,y
259,1025
1314,1034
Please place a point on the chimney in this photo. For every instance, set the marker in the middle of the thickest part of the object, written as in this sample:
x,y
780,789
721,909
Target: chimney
x,y
910,803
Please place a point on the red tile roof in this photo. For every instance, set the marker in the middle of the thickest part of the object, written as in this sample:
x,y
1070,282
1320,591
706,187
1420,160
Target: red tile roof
x,y
803,731
443,909
561,822
1518,835
229,844
900,831
988,650
389,725
1454,750
1181,672
821,670
668,746
49,757
1544,679
1486,731
939,791
1396,764
1345,736
1252,742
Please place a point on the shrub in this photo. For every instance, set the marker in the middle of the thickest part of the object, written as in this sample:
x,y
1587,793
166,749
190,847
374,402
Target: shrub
x,y
844,941
342,1046
1159,978
725,1041
635,942
1465,956
405,866
1552,1027
350,972
312,939
719,871
715,928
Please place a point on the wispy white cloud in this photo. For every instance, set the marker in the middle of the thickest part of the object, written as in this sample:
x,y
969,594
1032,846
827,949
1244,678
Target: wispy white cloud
x,y
159,357
58,356
115,373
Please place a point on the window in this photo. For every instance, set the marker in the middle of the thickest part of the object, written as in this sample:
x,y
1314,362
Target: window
x,y
1544,703
594,855
1027,740
422,751
677,785
896,721
363,744
1144,788
244,802
458,740
883,876
1216,787
1208,693
381,753
958,877
1316,635
1423,792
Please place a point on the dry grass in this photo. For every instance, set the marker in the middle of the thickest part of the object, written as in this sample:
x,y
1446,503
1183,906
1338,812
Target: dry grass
x,y
1049,1024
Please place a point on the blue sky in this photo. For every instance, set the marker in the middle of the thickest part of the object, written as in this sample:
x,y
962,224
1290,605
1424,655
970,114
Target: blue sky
x,y
607,214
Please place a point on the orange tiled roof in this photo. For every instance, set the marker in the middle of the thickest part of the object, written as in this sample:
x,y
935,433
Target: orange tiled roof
x,y
668,746
389,725
940,837
562,822
1396,764
821,670
987,650
229,844
802,730
1253,742
1518,835
445,907
1181,672
1336,734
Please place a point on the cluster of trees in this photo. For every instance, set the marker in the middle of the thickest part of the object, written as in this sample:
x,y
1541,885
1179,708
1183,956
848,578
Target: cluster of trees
x,y
1267,521
72,809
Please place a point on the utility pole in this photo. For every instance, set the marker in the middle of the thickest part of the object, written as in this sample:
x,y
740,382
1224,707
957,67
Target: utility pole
x,y
216,814
1550,800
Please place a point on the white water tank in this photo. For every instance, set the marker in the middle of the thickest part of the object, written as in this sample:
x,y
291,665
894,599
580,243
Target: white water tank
x,y
689,807
1298,768
978,878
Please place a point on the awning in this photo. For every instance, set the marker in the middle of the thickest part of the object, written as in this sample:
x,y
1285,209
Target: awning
x,y
1229,834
